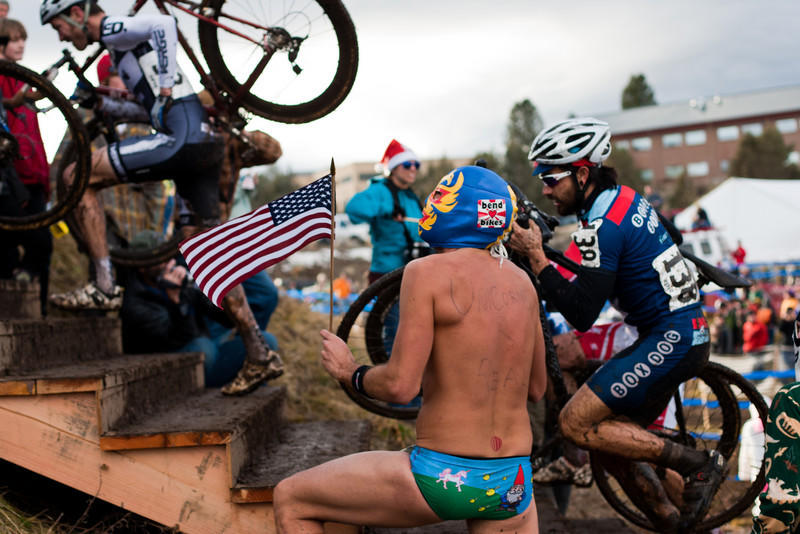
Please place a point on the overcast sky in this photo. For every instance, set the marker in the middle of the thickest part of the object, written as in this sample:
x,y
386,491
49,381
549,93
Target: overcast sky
x,y
442,75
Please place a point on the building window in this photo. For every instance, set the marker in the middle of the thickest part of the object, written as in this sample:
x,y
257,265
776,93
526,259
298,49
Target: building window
x,y
672,139
641,144
786,125
724,165
646,175
697,168
754,128
696,137
366,177
727,133
624,144
673,171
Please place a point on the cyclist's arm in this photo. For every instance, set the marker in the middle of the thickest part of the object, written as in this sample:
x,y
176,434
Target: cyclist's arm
x,y
126,110
579,301
124,33
778,503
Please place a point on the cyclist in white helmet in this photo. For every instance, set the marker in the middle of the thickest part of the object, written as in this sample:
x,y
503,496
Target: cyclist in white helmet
x,y
626,255
184,148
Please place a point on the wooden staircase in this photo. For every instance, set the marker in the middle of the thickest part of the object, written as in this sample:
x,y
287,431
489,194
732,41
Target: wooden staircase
x,y
141,431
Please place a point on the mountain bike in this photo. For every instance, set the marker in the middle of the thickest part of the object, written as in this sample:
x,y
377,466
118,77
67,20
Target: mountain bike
x,y
708,410
285,63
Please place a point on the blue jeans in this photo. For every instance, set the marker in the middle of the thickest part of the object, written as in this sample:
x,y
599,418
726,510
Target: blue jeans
x,y
223,348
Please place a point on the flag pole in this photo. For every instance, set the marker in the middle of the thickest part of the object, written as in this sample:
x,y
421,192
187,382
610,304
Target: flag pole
x,y
333,236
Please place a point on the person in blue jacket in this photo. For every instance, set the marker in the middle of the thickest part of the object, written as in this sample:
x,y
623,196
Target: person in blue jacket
x,y
391,209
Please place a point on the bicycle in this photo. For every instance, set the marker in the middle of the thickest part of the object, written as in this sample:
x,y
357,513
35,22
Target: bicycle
x,y
708,408
238,42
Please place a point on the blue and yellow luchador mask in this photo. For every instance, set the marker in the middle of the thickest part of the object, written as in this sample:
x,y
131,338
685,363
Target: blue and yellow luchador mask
x,y
470,207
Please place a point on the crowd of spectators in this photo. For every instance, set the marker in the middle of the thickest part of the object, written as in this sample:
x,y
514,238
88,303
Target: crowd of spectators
x,y
750,323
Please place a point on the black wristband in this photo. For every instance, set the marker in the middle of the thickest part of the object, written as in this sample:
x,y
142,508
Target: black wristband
x,y
357,380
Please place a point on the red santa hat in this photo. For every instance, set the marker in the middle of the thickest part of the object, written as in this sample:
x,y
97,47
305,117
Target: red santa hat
x,y
396,154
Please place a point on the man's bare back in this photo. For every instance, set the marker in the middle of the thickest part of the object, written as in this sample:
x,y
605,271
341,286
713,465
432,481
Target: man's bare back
x,y
484,353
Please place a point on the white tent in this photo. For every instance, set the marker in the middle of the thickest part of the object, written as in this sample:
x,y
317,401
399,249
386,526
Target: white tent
x,y
763,214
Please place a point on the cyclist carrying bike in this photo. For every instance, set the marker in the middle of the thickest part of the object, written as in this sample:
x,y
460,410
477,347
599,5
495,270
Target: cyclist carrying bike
x,y
184,148
626,255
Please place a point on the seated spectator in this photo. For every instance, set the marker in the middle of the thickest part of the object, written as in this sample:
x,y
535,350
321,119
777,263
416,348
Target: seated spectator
x,y
31,168
701,220
754,334
163,312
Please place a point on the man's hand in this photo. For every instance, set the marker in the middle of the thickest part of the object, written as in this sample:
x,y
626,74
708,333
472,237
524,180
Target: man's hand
x,y
173,275
158,113
528,241
84,95
336,357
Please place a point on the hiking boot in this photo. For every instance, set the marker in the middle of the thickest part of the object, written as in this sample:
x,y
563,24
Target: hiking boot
x,y
89,297
583,476
252,374
700,487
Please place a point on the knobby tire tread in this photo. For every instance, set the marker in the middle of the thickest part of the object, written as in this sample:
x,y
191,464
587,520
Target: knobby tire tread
x,y
81,145
315,108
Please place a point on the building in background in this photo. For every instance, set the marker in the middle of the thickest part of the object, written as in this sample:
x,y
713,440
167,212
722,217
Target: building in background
x,y
701,136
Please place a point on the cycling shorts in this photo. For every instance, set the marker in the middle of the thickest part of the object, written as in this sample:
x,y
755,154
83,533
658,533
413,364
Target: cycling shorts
x,y
456,487
639,381
190,155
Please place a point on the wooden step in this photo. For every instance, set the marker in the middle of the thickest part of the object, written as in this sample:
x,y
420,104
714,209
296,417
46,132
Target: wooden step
x,y
205,418
19,300
128,387
302,445
29,344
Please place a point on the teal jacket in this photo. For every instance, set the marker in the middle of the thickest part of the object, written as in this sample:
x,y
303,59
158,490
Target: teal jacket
x,y
375,206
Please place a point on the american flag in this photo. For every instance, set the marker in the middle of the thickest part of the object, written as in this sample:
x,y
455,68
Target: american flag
x,y
224,256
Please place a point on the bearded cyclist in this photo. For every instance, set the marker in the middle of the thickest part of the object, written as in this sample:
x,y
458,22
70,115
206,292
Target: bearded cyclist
x,y
626,255
184,148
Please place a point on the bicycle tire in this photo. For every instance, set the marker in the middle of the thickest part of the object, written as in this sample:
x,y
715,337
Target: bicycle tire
x,y
319,103
82,149
719,379
376,319
357,346
123,257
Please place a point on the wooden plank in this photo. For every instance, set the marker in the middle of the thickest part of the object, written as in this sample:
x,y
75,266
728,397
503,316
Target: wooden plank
x,y
164,439
149,482
18,387
50,386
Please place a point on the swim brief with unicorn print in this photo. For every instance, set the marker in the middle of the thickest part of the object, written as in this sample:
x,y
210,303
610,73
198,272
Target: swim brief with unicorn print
x,y
472,488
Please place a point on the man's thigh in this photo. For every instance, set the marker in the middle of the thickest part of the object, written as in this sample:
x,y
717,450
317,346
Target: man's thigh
x,y
525,523
369,488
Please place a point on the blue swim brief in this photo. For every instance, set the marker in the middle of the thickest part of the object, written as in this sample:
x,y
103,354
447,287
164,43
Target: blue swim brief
x,y
472,488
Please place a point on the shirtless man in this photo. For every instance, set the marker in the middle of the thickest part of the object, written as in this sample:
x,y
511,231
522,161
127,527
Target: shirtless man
x,y
469,335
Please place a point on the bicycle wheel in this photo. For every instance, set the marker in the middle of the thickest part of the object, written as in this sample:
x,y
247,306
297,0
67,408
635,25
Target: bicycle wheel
x,y
129,209
382,320
56,116
710,409
353,331
313,66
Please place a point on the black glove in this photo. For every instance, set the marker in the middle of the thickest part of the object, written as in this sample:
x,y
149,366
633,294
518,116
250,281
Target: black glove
x,y
158,113
85,96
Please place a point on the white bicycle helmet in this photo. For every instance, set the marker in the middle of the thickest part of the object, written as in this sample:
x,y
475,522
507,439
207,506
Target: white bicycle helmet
x,y
50,9
572,140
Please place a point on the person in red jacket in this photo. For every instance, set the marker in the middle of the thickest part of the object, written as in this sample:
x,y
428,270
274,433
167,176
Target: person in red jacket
x,y
31,167
754,334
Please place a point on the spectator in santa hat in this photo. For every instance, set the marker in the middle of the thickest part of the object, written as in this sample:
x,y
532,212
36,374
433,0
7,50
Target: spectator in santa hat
x,y
391,209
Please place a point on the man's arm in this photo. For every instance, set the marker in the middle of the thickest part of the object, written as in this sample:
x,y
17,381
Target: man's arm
x,y
124,33
370,204
579,301
538,379
400,378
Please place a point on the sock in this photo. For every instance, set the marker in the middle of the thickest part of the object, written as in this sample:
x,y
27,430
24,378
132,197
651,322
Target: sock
x,y
105,279
682,459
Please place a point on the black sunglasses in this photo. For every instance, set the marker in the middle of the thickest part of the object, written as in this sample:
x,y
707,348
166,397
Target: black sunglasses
x,y
409,164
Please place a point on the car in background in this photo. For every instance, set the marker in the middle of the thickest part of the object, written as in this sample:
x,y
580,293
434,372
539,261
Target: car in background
x,y
349,232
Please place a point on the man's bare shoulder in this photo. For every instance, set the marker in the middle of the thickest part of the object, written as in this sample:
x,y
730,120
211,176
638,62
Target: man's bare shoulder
x,y
468,263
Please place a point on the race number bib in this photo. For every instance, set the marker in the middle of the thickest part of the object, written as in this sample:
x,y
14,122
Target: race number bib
x,y
586,241
677,279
